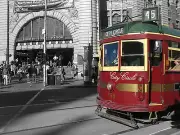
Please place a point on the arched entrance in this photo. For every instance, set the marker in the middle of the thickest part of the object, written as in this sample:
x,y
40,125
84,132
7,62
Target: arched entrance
x,y
29,41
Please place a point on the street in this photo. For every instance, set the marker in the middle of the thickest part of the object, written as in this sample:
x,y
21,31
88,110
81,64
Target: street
x,y
65,111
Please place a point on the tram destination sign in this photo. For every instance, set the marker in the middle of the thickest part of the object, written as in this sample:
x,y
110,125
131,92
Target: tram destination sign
x,y
113,32
150,14
21,6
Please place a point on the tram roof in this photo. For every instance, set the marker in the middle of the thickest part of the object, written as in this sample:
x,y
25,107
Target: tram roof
x,y
139,27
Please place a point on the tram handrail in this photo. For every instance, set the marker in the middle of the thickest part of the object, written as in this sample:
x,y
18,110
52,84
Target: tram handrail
x,y
149,71
164,58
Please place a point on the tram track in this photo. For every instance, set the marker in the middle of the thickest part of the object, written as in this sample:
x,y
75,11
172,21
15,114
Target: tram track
x,y
56,103
133,129
46,107
50,126
79,121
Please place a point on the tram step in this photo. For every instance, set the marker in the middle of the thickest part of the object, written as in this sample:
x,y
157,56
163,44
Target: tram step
x,y
117,119
155,104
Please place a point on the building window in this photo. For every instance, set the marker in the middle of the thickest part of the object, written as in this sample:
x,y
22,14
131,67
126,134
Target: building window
x,y
116,18
32,30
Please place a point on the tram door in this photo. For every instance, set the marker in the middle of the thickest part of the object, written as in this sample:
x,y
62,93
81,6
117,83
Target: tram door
x,y
156,71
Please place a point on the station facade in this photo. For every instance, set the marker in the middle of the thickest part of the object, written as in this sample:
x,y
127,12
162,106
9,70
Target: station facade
x,y
71,25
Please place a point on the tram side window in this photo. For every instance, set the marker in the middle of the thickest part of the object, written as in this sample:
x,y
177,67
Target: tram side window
x,y
156,52
173,44
132,54
174,56
111,54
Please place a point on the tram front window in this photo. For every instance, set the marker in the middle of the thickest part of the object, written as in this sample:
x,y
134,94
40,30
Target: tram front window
x,y
111,54
132,54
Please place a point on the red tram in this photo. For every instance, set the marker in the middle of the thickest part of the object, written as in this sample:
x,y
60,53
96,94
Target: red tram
x,y
139,72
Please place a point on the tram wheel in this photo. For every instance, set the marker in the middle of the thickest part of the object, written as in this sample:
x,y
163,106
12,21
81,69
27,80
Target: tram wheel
x,y
99,108
154,121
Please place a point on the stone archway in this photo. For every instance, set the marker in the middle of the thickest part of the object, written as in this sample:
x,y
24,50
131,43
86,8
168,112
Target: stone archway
x,y
56,14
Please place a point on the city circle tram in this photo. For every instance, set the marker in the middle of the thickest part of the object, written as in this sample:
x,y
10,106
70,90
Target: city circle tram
x,y
139,72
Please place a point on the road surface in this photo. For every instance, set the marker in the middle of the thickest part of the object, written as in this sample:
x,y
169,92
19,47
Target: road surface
x,y
67,111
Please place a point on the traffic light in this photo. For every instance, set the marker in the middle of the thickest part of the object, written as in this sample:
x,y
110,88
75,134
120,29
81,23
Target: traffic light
x,y
44,58
39,56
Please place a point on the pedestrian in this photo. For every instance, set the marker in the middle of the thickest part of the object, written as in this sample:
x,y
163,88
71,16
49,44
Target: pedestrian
x,y
73,70
63,73
34,74
5,75
20,74
9,74
94,74
1,74
69,64
28,75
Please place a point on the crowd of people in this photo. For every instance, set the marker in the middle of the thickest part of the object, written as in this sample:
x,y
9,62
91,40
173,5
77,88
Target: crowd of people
x,y
19,71
29,72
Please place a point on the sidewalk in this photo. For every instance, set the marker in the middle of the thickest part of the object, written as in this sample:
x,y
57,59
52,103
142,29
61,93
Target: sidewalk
x,y
24,86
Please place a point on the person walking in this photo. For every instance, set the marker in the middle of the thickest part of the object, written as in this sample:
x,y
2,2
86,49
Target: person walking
x,y
34,74
28,75
20,73
63,73
5,75
9,74
94,74
1,74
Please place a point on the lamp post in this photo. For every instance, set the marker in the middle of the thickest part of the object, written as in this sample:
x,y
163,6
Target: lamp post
x,y
7,48
121,10
44,47
110,13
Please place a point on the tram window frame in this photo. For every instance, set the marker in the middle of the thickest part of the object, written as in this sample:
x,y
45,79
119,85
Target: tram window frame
x,y
174,60
136,68
156,58
130,52
114,62
100,61
110,67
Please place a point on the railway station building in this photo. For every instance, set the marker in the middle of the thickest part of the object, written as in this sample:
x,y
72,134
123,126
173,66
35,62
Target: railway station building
x,y
72,25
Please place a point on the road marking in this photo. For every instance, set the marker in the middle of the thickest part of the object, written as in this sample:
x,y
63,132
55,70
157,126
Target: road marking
x,y
177,133
3,129
160,131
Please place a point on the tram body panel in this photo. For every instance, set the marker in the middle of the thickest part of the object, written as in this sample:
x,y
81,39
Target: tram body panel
x,y
171,90
124,90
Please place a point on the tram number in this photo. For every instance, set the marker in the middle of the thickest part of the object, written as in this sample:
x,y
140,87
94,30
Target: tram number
x,y
111,95
150,14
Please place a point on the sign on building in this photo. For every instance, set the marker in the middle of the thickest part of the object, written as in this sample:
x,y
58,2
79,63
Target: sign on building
x,y
115,30
21,6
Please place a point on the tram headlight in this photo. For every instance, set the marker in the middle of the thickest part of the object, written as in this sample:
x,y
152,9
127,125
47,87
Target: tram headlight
x,y
109,86
140,79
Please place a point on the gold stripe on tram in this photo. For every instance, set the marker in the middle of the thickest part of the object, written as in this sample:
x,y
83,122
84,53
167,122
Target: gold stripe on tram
x,y
164,87
134,87
127,87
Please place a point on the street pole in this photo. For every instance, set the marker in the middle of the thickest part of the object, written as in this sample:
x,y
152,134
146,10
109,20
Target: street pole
x,y
44,47
110,13
121,10
7,49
